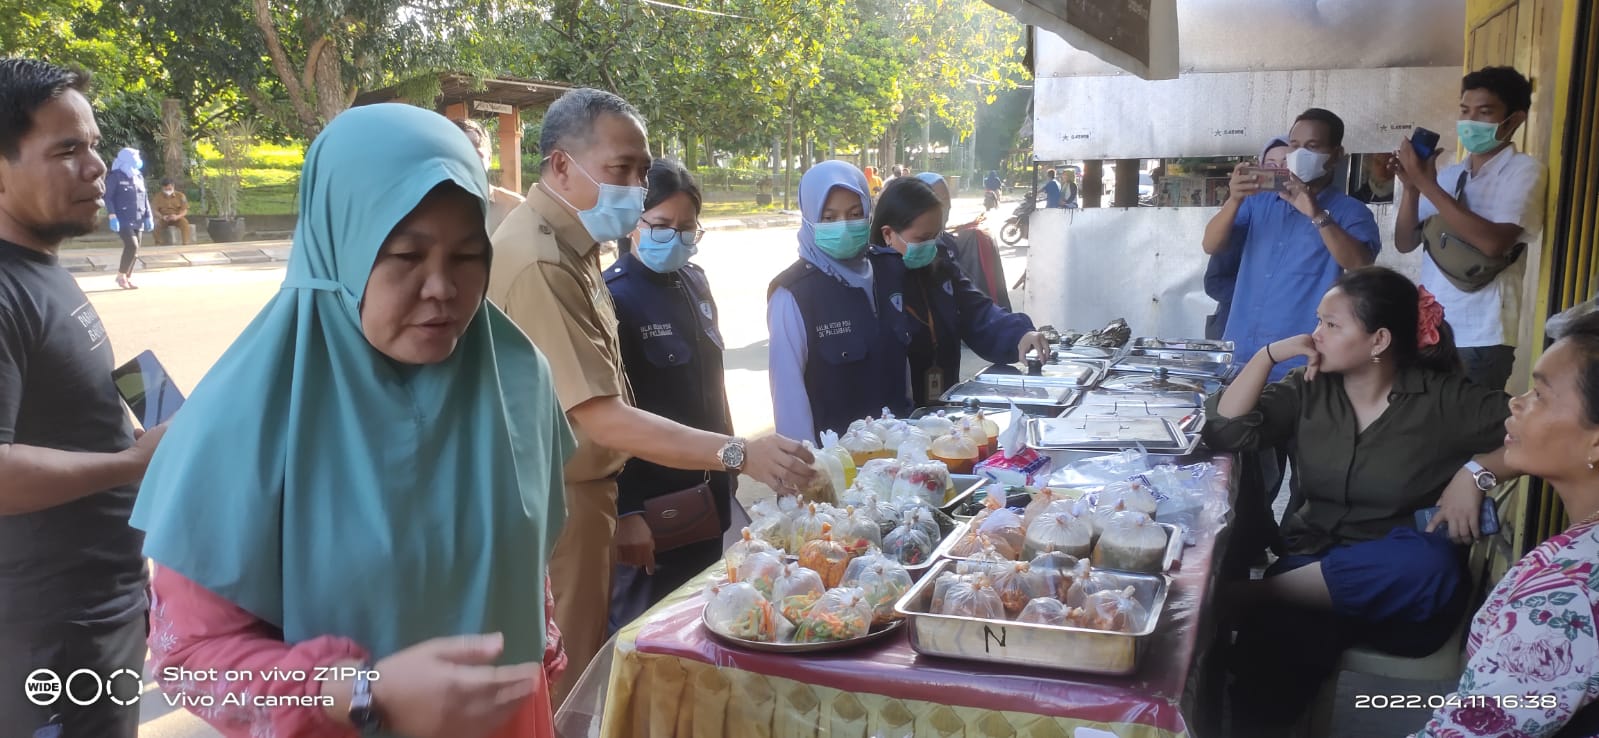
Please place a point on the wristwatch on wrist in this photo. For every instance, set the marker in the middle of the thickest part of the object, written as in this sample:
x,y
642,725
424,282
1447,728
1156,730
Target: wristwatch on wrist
x,y
1321,219
732,455
363,713
1485,479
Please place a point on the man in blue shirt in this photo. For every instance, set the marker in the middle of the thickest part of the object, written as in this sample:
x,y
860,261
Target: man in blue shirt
x,y
1052,191
1295,243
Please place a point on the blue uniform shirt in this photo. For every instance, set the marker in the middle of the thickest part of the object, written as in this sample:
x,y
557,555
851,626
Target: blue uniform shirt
x,y
1286,268
1052,194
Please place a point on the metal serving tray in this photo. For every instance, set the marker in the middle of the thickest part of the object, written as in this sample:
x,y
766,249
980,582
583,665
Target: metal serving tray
x,y
1178,363
1000,390
1183,344
1187,419
1099,430
1103,398
1174,548
966,485
1044,646
874,634
1071,373
1143,382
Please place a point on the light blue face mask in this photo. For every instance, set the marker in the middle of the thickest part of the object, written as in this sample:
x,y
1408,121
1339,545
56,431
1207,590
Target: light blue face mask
x,y
664,257
842,239
918,255
1477,136
616,209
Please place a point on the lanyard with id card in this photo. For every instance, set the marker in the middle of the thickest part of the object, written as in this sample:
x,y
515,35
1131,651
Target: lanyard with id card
x,y
933,378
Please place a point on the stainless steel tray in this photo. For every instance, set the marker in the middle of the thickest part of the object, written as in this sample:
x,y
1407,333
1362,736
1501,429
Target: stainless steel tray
x,y
1069,372
1178,363
966,485
1147,399
1002,389
1174,548
1183,344
876,633
1187,419
1102,431
1137,381
1025,644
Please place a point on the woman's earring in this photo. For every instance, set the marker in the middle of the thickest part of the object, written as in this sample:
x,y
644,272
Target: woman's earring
x,y
1590,466
1376,359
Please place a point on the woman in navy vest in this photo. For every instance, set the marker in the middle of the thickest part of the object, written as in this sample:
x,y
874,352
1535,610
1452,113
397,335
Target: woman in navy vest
x,y
838,345
672,351
944,308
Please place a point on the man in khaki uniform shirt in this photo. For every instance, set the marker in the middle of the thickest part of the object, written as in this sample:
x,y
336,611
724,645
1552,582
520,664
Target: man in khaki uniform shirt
x,y
172,207
546,276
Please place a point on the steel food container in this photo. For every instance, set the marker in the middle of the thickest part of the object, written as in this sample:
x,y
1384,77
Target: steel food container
x,y
1000,390
1174,548
1184,344
1180,363
1043,646
1147,399
1099,431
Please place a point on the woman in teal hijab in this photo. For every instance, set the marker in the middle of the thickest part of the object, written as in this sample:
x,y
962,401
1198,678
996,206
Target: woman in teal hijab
x,y
370,476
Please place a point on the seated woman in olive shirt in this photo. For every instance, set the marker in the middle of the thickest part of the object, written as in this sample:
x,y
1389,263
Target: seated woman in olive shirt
x,y
1385,426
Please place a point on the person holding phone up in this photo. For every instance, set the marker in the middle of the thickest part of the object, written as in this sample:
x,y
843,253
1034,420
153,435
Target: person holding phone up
x,y
1386,426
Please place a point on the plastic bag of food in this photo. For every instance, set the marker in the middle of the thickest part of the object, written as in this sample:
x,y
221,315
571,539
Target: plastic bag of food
x,y
1102,515
796,589
760,569
857,532
941,587
826,557
1136,496
878,476
908,544
1041,502
1043,611
1115,610
927,481
972,428
902,436
863,446
926,518
1059,572
1131,542
741,550
990,429
1004,528
1017,585
956,450
827,479
1101,470
809,526
1059,531
846,460
738,610
839,615
973,598
984,560
935,425
883,423
882,579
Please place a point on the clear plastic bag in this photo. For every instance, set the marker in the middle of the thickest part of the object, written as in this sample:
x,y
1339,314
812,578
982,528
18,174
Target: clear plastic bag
x,y
908,544
738,610
1131,542
1117,611
882,579
1102,515
1135,496
809,526
768,523
760,569
736,553
827,478
878,476
1017,585
1059,572
1042,499
1059,531
1004,528
901,436
983,560
846,460
839,615
973,598
1089,582
826,557
926,481
863,446
927,518
1101,470
956,450
935,425
857,531
1043,611
941,587
796,589
974,432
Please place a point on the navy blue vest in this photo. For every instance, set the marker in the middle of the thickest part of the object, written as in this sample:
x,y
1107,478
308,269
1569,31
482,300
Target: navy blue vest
x,y
855,361
672,352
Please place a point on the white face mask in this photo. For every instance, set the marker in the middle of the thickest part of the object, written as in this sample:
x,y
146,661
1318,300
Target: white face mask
x,y
1307,165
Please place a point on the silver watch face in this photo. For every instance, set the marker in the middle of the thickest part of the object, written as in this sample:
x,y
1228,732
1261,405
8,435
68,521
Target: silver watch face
x,y
1486,480
733,455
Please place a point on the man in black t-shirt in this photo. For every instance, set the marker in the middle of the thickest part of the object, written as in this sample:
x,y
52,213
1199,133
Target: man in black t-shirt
x,y
72,578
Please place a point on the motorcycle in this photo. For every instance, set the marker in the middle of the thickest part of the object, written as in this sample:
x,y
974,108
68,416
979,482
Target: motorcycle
x,y
1015,228
990,199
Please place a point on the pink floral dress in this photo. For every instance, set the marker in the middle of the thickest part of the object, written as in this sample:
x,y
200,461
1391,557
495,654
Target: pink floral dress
x,y
1534,656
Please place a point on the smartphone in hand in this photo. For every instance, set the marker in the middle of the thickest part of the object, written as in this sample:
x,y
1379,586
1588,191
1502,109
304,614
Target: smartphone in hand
x,y
148,390
1424,142
1487,522
1269,178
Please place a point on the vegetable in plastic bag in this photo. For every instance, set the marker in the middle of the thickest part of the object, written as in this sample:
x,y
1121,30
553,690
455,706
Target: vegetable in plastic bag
x,y
1131,542
769,524
1059,531
809,526
908,544
796,589
1043,611
927,481
738,610
839,615
857,531
878,476
973,599
826,557
882,579
760,569
737,552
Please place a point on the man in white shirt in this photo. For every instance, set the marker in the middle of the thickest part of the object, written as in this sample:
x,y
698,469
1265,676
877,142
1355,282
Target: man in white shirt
x,y
1502,208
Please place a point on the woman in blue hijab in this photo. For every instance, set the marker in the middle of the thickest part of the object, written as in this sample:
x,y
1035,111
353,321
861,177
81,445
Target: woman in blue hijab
x,y
838,345
128,202
370,477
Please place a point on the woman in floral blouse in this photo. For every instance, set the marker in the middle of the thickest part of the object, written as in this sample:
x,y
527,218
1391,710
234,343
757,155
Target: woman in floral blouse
x,y
1534,657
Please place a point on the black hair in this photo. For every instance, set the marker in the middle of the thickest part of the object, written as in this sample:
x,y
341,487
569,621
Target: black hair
x,y
572,116
167,181
1335,124
1583,333
665,179
25,86
902,202
1505,83
1385,298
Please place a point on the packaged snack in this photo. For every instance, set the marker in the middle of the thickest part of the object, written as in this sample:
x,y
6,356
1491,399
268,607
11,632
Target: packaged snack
x,y
846,460
839,615
941,588
956,450
1004,528
857,532
1026,467
1059,572
935,425
1059,531
737,610
1131,542
796,589
737,552
1116,611
809,526
927,481
759,570
827,480
1017,585
1043,611
1134,496
826,557
973,599
882,579
908,544
863,447
878,476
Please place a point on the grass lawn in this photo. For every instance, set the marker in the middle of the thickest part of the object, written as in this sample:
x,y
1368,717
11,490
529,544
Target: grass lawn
x,y
271,178
736,209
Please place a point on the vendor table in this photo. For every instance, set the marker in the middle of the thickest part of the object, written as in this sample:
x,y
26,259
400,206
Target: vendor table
x,y
671,678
